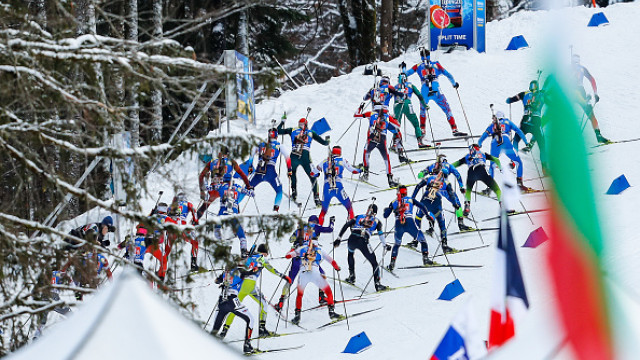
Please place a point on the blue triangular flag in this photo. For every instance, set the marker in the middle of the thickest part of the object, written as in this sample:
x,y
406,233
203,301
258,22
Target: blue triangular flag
x,y
452,290
618,185
598,19
358,344
321,126
517,42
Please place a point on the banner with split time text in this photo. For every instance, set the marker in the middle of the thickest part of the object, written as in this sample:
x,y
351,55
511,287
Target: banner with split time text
x,y
457,23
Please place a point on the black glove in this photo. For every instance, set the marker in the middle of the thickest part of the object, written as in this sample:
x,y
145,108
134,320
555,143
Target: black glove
x,y
332,220
327,138
336,242
456,85
387,247
105,243
597,98
403,65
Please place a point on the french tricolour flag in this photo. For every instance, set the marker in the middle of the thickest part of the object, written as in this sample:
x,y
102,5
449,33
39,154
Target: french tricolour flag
x,y
509,301
463,339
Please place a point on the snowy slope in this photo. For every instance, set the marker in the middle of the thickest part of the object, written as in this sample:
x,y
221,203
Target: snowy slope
x,y
411,321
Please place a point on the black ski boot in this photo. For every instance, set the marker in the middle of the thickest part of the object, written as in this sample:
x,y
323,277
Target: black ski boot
x,y
423,145
379,287
244,253
413,244
521,185
194,265
294,194
392,264
321,297
365,174
223,332
601,139
317,201
445,246
262,329
280,305
352,277
428,232
425,259
276,208
462,226
402,158
467,208
247,348
486,192
455,132
332,312
392,183
296,318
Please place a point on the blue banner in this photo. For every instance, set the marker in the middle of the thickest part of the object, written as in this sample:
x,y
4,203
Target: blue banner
x,y
456,22
321,126
244,89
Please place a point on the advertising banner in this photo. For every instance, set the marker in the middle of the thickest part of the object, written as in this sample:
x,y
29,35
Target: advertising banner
x,y
240,101
457,23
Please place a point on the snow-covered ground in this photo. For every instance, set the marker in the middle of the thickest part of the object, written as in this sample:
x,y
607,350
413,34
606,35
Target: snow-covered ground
x,y
412,321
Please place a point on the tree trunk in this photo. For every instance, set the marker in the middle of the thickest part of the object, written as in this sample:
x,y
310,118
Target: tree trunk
x,y
156,94
360,19
386,29
350,30
243,33
368,34
493,10
132,93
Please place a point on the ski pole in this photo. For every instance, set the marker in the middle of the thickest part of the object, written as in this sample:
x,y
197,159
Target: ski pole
x,y
343,302
426,111
274,294
355,152
464,113
527,212
378,269
344,133
313,184
539,176
210,315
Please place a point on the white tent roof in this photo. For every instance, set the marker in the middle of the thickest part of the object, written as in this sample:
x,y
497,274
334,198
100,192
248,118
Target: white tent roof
x,y
145,327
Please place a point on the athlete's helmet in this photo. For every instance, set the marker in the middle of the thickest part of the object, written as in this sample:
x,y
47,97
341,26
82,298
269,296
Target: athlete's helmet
x,y
402,78
385,80
263,249
162,208
473,148
108,221
372,210
181,196
425,55
533,85
402,190
303,123
226,177
313,219
499,114
224,151
336,151
273,134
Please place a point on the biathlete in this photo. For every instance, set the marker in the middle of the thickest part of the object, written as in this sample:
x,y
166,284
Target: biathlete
x,y
362,228
301,139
